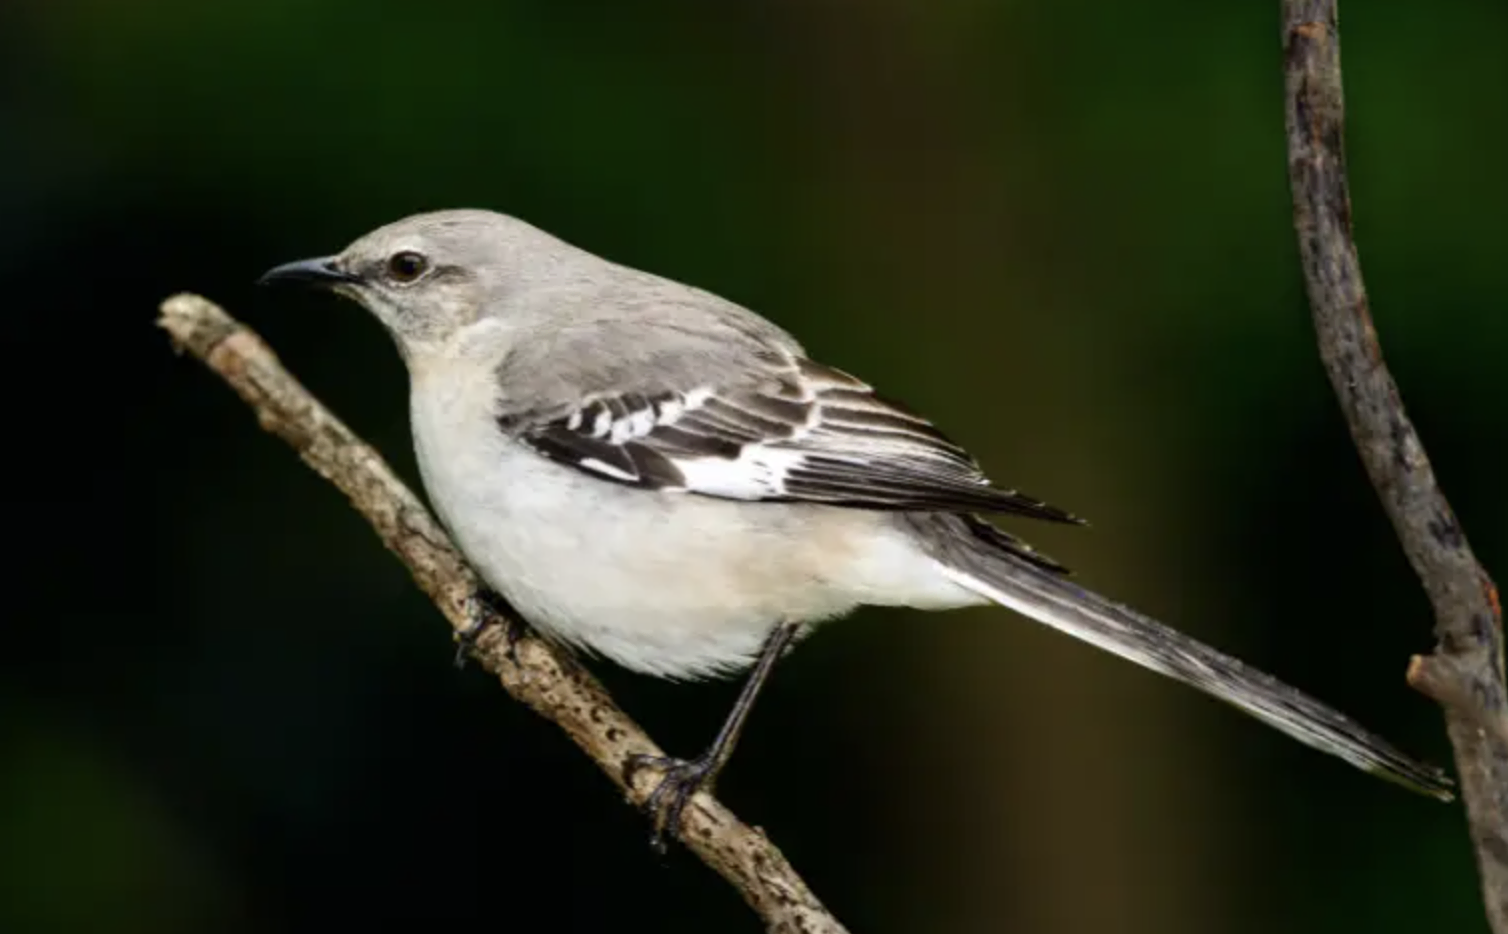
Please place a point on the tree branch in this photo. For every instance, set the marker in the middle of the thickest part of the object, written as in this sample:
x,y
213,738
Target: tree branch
x,y
550,682
1465,672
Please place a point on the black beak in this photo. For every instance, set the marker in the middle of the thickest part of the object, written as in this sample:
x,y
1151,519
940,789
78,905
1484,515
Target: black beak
x,y
321,271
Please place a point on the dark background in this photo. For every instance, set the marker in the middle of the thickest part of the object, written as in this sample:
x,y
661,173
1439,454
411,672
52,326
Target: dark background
x,y
1061,229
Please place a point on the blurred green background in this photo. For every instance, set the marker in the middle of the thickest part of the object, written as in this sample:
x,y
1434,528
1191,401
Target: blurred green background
x,y
1061,229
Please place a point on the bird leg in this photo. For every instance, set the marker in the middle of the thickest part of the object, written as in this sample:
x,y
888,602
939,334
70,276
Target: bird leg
x,y
484,604
682,778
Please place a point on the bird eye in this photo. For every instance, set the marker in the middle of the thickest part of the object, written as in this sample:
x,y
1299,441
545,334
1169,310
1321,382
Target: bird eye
x,y
406,266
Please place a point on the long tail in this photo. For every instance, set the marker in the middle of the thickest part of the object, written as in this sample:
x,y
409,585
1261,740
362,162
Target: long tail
x,y
978,557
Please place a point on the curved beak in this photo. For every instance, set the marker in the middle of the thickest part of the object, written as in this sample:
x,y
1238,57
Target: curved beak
x,y
321,271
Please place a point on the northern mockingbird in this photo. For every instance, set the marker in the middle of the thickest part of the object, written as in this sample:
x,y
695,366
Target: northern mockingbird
x,y
654,474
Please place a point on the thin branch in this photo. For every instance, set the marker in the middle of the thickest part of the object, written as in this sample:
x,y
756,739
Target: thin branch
x,y
1465,672
551,683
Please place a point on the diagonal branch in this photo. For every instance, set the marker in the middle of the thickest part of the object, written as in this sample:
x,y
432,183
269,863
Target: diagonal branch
x,y
1465,672
551,683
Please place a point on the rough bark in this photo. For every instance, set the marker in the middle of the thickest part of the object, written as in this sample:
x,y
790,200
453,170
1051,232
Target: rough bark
x,y
1464,673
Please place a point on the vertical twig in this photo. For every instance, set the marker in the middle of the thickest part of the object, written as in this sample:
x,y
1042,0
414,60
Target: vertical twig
x,y
1465,672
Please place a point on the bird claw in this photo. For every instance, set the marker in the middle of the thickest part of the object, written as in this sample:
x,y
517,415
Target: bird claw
x,y
679,780
481,605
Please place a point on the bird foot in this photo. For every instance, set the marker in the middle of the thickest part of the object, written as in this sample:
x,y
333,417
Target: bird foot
x,y
679,780
483,605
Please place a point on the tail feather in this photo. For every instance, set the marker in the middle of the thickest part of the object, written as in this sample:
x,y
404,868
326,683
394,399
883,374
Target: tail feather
x,y
976,561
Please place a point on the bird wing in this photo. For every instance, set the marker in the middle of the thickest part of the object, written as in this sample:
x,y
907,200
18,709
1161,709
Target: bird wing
x,y
795,431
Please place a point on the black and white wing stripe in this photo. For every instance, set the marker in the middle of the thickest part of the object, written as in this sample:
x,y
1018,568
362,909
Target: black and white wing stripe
x,y
802,432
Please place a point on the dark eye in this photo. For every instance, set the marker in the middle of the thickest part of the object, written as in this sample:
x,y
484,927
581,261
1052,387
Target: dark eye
x,y
406,266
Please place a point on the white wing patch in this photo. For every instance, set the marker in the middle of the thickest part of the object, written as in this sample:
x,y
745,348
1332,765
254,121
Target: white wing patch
x,y
758,472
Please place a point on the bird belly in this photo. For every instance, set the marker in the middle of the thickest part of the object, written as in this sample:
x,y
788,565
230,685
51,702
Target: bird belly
x,y
658,588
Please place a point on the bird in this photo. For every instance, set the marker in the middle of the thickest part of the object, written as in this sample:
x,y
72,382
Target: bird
x,y
650,473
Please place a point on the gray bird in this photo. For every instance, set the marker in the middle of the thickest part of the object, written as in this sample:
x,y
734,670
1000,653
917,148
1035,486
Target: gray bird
x,y
651,473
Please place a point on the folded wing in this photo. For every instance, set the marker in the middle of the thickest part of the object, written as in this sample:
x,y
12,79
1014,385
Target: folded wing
x,y
795,431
